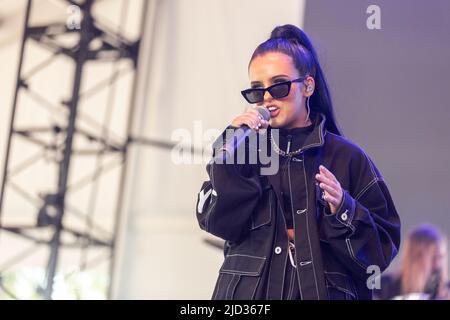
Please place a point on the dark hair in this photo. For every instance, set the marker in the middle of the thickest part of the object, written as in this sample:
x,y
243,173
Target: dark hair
x,y
293,42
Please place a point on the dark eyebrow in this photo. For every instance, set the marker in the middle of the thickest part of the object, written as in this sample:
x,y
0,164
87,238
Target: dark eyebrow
x,y
280,76
273,78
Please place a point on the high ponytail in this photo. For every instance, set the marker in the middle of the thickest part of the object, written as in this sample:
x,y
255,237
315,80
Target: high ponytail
x,y
293,42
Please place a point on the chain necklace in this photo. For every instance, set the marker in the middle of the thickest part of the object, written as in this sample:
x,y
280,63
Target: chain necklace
x,y
281,152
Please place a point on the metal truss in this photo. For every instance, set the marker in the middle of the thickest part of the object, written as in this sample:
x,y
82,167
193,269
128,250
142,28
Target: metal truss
x,y
95,42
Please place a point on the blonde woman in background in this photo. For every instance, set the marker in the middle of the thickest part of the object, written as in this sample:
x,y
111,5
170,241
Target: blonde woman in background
x,y
424,269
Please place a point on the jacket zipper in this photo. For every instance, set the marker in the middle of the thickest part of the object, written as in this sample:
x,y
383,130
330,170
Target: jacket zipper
x,y
288,148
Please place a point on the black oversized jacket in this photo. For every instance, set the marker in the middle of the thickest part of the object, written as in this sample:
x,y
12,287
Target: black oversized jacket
x,y
337,255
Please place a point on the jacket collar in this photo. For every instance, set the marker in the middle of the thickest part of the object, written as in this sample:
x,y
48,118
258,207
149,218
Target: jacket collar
x,y
317,136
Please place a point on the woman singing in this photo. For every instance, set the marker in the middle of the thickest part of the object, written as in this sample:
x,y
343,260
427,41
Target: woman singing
x,y
325,222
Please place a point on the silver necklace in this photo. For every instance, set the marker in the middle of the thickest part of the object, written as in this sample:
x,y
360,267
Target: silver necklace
x,y
281,152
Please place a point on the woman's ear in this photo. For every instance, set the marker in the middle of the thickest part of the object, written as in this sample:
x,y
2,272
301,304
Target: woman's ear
x,y
309,86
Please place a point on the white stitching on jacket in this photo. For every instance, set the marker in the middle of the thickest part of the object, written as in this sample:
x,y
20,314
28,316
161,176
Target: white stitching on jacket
x,y
284,276
292,211
218,285
247,273
244,255
307,222
352,254
348,281
367,187
270,269
374,174
228,288
256,286
307,228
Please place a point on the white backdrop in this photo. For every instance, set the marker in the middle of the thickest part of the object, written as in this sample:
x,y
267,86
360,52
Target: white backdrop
x,y
191,72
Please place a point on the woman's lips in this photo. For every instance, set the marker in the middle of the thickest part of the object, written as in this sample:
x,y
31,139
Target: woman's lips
x,y
274,111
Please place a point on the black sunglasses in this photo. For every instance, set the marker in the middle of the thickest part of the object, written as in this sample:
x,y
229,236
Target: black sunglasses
x,y
277,91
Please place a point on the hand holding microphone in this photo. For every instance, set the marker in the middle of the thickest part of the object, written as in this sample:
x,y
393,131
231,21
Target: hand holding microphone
x,y
253,118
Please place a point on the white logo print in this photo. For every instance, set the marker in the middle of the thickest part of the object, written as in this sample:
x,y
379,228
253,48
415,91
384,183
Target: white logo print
x,y
202,199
